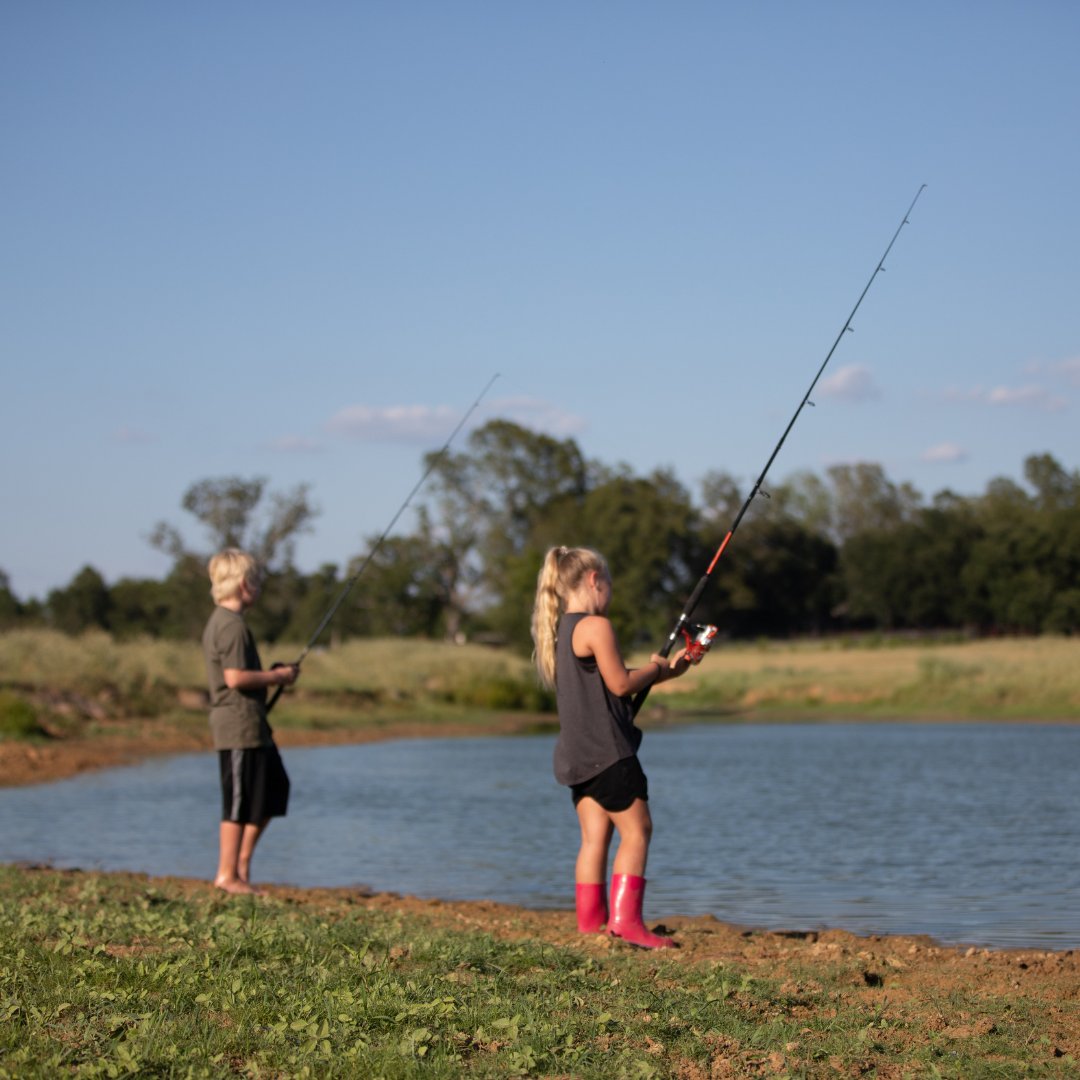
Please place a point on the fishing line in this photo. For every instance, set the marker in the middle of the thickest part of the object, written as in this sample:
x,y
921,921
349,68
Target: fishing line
x,y
695,596
435,461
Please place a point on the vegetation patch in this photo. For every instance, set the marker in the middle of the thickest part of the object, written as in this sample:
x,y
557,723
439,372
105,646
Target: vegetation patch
x,y
18,718
117,975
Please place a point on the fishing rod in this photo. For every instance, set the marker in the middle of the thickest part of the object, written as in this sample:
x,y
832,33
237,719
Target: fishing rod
x,y
699,641
378,543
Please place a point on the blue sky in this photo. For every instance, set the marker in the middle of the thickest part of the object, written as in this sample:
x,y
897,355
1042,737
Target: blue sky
x,y
295,241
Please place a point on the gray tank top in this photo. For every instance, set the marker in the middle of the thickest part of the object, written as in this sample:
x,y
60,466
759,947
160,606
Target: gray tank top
x,y
596,728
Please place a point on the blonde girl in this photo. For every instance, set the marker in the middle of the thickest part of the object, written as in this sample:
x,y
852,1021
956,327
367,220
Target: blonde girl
x,y
577,655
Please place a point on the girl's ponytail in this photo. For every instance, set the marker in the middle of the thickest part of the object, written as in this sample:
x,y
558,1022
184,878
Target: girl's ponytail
x,y
545,617
561,573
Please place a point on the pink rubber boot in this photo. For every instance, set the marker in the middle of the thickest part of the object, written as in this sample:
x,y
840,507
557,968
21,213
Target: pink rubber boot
x,y
627,893
591,903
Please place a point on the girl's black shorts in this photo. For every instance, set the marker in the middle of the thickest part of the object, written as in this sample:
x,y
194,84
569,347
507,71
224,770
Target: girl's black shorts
x,y
616,788
254,785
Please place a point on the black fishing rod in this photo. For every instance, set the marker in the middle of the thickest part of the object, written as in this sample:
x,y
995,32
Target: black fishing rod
x,y
378,543
705,634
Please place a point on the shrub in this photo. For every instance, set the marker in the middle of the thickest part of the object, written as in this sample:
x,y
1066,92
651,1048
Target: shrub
x,y
18,718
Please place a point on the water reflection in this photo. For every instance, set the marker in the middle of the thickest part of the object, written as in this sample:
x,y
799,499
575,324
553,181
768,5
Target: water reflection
x,y
964,832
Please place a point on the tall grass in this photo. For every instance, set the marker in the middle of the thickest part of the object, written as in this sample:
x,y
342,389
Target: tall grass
x,y
96,676
998,678
1003,678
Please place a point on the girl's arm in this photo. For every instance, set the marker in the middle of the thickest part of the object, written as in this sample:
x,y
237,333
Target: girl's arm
x,y
594,636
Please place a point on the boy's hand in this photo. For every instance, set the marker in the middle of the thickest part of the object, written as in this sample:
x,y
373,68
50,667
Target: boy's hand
x,y
286,674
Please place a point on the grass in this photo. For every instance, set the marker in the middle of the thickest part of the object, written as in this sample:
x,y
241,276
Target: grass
x,y
118,975
75,686
1026,678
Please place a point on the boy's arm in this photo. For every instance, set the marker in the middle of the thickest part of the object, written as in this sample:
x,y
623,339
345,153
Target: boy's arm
x,y
245,679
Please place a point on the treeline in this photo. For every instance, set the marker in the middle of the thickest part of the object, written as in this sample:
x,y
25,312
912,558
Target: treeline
x,y
850,550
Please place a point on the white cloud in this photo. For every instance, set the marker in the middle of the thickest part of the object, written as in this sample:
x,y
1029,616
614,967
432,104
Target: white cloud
x,y
1069,369
851,383
394,423
132,436
1032,395
539,416
945,453
424,424
1038,397
296,444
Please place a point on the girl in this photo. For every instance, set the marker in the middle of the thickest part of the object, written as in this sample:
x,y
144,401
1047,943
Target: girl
x,y
596,752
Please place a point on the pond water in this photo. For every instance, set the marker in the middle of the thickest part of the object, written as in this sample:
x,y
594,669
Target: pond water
x,y
966,832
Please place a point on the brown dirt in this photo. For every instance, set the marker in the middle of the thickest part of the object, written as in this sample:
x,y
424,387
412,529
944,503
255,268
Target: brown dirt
x,y
127,742
913,976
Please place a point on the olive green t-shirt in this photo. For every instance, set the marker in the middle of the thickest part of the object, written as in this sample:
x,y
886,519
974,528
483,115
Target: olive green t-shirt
x,y
237,717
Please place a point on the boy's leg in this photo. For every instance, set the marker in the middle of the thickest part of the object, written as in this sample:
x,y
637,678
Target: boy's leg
x,y
230,839
249,838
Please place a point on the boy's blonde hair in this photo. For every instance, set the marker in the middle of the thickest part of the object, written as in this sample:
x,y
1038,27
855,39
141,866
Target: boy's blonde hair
x,y
229,569
560,575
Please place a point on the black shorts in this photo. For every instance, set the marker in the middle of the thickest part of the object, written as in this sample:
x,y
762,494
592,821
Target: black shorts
x,y
254,785
616,788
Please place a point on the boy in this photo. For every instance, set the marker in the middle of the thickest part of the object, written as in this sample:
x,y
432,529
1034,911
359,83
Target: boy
x,y
254,784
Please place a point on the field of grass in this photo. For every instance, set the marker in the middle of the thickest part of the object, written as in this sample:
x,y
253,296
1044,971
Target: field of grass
x,y
118,975
76,686
1000,678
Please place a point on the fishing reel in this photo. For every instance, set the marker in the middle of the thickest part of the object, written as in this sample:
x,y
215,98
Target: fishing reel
x,y
699,640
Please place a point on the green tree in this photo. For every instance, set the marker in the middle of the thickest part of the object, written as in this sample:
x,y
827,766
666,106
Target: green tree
x,y
234,513
1055,488
11,611
138,607
485,502
83,604
863,498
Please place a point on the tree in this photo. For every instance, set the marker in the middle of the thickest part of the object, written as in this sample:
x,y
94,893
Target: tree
x,y
484,504
228,509
1055,489
863,498
83,604
10,608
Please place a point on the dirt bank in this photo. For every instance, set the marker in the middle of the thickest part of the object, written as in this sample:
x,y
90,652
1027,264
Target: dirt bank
x,y
130,741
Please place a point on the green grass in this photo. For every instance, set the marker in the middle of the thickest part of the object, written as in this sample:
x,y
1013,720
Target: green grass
x,y
117,975
75,684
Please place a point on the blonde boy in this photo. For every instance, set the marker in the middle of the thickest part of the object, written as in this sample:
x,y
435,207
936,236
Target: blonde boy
x,y
254,784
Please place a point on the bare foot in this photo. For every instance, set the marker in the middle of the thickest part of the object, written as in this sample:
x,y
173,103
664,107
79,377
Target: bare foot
x,y
236,886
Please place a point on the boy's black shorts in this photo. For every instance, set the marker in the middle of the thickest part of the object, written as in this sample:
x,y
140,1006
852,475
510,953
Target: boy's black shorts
x,y
616,787
254,785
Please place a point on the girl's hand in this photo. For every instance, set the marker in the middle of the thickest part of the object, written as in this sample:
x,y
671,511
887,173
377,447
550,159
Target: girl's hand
x,y
671,667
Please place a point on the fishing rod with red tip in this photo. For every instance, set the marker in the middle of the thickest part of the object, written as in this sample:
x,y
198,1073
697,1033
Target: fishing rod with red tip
x,y
378,543
681,626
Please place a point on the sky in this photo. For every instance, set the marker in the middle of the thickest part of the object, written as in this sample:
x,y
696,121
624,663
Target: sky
x,y
297,241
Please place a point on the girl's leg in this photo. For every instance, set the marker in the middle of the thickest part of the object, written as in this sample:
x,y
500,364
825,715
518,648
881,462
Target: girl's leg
x,y
628,878
590,889
596,833
635,832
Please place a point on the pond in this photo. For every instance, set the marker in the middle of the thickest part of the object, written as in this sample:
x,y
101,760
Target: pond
x,y
966,832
